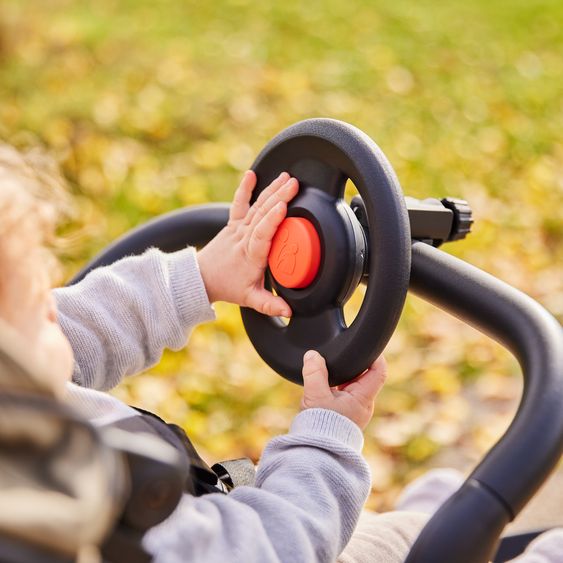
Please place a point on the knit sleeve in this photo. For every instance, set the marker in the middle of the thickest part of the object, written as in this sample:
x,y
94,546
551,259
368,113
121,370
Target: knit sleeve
x,y
120,318
310,488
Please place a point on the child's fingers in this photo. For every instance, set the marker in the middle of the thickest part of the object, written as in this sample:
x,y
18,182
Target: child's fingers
x,y
315,380
368,385
261,237
241,200
264,195
284,194
268,304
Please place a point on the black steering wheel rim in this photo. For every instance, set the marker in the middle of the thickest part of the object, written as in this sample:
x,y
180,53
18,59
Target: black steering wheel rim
x,y
322,154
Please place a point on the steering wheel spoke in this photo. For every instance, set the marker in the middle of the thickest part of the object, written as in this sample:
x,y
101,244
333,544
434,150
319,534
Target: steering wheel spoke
x,y
314,331
315,173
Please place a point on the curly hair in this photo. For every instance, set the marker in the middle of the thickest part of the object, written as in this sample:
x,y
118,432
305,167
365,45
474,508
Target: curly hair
x,y
33,199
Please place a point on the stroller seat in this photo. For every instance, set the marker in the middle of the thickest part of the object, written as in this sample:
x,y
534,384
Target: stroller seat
x,y
69,491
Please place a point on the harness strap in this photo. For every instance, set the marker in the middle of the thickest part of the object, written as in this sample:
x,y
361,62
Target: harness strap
x,y
202,479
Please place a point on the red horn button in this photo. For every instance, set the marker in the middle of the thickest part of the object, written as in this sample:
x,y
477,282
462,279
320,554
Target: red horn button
x,y
295,254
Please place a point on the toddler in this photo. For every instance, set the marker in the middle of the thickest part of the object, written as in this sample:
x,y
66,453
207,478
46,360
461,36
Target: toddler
x,y
310,484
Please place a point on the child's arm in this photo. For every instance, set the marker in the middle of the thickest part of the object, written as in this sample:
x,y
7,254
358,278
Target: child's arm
x,y
311,486
120,318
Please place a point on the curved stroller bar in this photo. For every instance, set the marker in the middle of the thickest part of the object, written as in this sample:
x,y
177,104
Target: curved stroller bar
x,y
170,232
466,529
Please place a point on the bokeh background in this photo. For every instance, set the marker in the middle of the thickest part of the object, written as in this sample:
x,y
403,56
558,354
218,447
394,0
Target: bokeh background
x,y
153,105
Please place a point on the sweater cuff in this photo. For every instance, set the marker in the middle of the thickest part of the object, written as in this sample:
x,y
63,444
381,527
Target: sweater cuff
x,y
188,289
328,424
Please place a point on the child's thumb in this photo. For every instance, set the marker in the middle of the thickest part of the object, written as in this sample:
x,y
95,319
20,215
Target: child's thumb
x,y
267,304
315,378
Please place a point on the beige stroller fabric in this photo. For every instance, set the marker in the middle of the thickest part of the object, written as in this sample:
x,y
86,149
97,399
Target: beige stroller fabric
x,y
60,486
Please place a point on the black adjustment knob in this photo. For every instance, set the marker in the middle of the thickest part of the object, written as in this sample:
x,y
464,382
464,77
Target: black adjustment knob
x,y
463,217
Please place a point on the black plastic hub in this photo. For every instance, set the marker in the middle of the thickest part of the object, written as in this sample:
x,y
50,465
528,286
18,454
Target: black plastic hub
x,y
343,252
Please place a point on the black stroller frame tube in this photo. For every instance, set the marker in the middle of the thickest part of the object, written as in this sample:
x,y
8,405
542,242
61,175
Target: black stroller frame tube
x,y
195,226
466,528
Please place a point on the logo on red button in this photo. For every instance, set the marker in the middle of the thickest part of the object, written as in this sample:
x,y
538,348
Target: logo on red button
x,y
295,254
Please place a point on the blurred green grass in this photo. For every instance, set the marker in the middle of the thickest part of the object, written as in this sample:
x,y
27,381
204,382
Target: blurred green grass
x,y
155,105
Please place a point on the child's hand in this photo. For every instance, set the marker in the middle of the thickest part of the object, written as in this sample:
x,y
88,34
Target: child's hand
x,y
354,399
232,265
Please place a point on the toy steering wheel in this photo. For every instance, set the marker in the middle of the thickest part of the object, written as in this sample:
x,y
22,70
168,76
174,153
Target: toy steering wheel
x,y
320,252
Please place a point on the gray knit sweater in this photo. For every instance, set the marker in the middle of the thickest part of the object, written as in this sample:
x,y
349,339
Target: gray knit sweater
x,y
311,483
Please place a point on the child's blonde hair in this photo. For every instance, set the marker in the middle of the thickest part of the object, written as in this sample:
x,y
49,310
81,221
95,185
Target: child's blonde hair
x,y
32,200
